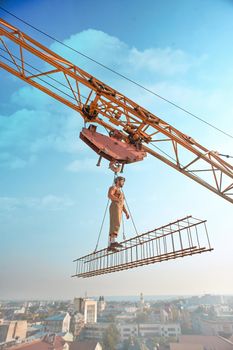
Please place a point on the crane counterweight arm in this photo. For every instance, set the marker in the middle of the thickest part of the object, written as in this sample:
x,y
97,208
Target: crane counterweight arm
x,y
98,103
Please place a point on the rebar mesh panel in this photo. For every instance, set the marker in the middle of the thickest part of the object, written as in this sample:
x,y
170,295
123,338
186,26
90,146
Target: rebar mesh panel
x,y
184,237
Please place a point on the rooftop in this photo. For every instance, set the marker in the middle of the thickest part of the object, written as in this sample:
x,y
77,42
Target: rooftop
x,y
57,344
58,317
85,345
209,342
178,346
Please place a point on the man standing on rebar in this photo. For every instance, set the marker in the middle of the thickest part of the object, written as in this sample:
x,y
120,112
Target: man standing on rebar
x,y
116,208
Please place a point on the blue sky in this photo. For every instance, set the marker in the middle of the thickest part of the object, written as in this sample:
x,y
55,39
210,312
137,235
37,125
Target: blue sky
x,y
52,197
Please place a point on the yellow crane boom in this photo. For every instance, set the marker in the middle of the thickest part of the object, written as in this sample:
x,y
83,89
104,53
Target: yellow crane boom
x,y
98,103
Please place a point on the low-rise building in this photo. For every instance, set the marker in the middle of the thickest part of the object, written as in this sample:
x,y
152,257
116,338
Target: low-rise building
x,y
11,330
76,324
128,330
159,330
20,311
94,331
58,323
219,326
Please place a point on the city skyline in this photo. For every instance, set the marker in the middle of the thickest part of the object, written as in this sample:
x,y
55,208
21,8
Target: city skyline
x,y
52,195
155,324
124,298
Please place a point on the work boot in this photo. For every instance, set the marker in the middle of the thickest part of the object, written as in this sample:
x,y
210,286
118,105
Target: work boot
x,y
112,248
117,245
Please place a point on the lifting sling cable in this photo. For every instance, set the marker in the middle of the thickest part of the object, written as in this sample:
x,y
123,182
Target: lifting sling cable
x,y
105,212
102,224
136,231
123,228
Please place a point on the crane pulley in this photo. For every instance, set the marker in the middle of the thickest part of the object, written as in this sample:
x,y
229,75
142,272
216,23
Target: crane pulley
x,y
112,147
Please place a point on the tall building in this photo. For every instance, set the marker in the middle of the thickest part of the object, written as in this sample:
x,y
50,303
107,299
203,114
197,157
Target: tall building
x,y
141,304
88,308
78,304
101,304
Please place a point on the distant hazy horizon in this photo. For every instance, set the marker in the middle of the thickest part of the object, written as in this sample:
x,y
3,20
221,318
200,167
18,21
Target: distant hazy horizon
x,y
130,298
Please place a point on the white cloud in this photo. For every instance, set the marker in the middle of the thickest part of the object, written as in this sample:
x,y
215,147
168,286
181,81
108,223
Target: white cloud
x,y
27,133
166,61
49,202
116,54
11,161
94,43
31,98
42,124
87,164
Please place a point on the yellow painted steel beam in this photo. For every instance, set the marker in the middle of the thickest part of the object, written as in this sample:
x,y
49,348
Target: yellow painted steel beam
x,y
112,110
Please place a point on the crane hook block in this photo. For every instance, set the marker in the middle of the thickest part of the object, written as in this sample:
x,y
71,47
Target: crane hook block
x,y
110,147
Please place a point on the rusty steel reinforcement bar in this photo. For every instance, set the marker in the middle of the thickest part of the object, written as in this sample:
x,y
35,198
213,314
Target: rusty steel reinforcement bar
x,y
180,238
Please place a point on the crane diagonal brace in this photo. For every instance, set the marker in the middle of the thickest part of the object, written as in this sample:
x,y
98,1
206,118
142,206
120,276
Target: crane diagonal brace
x,y
92,98
184,237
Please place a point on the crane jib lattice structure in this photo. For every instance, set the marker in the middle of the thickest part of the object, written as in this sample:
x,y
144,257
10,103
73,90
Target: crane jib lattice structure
x,y
184,237
98,103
